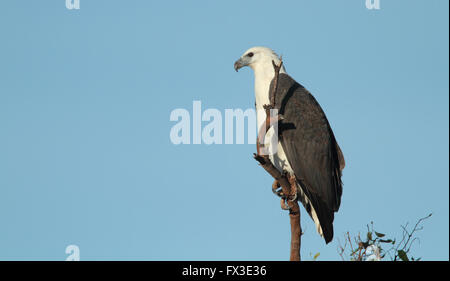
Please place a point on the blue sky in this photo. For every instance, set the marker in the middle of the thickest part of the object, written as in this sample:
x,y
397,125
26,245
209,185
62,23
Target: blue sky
x,y
85,101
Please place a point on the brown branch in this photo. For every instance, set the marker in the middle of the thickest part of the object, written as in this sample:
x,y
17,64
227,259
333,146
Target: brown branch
x,y
288,185
275,81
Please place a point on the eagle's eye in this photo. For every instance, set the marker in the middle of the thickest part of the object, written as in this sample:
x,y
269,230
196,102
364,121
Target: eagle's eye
x,y
250,54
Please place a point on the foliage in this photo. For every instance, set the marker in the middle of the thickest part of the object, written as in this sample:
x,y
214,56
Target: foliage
x,y
314,258
376,246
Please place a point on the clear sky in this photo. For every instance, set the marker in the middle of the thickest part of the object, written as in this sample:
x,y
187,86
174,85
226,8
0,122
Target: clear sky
x,y
85,101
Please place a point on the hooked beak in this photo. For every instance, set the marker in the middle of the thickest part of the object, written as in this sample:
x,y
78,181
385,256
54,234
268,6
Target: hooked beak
x,y
238,64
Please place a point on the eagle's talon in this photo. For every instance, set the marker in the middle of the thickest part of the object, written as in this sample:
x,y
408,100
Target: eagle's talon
x,y
278,193
283,205
275,188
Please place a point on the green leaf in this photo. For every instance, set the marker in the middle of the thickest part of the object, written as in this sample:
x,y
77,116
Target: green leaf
x,y
379,234
386,241
316,256
369,236
402,255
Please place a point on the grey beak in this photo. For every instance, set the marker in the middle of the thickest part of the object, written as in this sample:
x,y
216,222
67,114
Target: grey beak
x,y
238,64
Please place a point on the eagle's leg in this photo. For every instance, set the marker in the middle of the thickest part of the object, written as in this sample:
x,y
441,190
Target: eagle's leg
x,y
292,196
293,182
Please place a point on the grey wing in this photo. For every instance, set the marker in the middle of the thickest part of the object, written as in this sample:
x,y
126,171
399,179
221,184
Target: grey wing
x,y
312,151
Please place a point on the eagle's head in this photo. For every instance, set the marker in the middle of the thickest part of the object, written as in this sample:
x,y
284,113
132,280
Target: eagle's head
x,y
257,57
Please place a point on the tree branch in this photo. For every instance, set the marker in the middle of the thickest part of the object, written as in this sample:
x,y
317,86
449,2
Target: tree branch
x,y
288,183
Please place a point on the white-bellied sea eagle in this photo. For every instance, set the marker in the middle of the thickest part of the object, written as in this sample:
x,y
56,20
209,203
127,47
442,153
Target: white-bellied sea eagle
x,y
307,148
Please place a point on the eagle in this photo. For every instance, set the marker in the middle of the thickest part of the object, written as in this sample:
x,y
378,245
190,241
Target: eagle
x,y
306,147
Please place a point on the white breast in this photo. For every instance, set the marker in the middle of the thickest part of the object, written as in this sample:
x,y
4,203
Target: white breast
x,y
276,154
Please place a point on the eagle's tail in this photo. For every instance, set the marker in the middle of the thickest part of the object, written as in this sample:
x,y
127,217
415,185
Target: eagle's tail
x,y
322,219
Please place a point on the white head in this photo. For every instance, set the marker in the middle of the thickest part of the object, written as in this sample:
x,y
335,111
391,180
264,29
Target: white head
x,y
260,60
